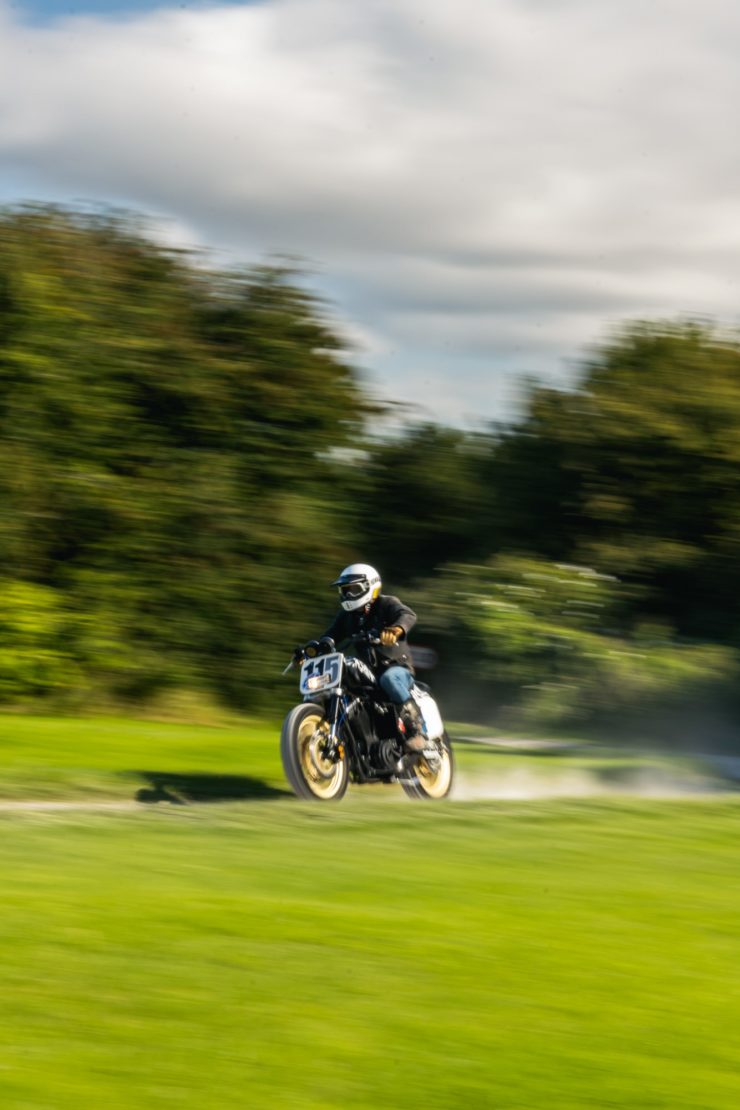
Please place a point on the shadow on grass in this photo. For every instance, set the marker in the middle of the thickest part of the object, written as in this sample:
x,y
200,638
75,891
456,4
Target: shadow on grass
x,y
182,788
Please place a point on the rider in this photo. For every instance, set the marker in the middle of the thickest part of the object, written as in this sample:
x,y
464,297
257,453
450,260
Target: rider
x,y
364,608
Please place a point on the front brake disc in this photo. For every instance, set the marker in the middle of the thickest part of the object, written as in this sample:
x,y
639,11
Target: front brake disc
x,y
324,768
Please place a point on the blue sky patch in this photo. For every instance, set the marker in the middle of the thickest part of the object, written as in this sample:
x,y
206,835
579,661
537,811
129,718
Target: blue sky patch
x,y
49,11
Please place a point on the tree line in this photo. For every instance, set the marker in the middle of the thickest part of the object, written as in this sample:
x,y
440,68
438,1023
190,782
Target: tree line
x,y
187,459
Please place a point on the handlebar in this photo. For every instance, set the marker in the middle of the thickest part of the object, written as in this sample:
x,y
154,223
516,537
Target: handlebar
x,y
326,645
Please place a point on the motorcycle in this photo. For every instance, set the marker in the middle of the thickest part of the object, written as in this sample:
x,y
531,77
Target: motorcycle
x,y
345,731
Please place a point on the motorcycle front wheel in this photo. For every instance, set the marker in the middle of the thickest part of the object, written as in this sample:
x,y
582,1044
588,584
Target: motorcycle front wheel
x,y
431,777
303,744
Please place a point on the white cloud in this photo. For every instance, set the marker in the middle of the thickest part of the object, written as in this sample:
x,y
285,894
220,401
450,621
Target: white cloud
x,y
487,183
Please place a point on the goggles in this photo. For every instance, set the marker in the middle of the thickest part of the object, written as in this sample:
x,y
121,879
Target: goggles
x,y
351,591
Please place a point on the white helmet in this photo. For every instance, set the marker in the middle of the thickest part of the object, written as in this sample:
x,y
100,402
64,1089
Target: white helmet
x,y
359,584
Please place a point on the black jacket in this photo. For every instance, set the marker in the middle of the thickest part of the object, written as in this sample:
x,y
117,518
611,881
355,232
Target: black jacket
x,y
385,612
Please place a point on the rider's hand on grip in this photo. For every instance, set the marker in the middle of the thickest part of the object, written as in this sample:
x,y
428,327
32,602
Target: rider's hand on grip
x,y
389,636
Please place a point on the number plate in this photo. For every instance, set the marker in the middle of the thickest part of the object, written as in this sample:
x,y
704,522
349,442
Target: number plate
x,y
322,673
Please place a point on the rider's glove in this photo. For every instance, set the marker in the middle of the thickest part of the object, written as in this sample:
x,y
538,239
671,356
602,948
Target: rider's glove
x,y
389,636
298,656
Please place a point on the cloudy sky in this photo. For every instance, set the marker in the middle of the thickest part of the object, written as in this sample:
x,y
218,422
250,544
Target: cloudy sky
x,y
482,187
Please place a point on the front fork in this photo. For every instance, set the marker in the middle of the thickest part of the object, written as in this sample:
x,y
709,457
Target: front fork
x,y
342,709
334,745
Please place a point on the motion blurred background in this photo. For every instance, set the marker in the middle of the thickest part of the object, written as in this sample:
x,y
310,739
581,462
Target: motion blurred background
x,y
189,455
384,283
451,290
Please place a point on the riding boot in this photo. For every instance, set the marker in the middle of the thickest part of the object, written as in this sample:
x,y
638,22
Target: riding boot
x,y
413,727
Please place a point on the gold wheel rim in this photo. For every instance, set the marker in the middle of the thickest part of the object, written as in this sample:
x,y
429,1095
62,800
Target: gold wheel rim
x,y
323,777
435,783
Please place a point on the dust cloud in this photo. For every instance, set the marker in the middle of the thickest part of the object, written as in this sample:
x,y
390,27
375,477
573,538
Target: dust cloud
x,y
526,784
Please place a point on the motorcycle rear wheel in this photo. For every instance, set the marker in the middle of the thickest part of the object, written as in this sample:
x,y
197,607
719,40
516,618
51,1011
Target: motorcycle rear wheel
x,y
431,780
311,776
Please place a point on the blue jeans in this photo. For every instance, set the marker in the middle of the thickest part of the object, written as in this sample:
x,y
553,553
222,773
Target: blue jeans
x,y
396,684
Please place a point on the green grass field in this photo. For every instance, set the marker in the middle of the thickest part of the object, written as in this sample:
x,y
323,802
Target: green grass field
x,y
255,951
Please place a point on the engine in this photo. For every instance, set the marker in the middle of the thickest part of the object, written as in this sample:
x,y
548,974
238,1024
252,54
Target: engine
x,y
385,754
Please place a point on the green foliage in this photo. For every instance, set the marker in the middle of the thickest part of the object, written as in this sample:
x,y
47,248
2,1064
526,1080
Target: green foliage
x,y
636,470
185,464
37,650
422,500
165,434
546,637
